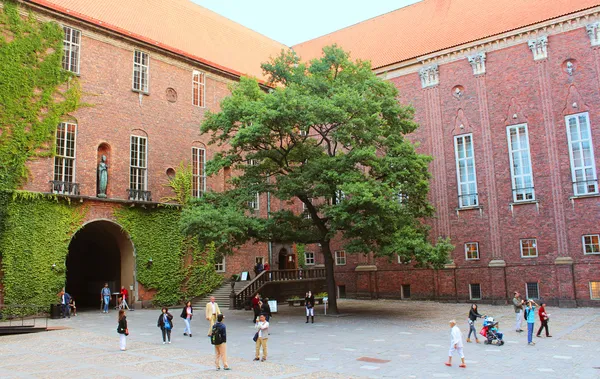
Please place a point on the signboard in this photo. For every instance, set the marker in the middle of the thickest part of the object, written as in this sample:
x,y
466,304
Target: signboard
x,y
273,305
244,276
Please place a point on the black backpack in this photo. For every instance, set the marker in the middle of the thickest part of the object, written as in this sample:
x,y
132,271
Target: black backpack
x,y
216,337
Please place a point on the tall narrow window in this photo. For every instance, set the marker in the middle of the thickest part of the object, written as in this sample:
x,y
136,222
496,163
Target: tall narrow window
x,y
581,152
465,171
138,172
71,45
198,88
254,204
141,62
198,171
520,163
64,160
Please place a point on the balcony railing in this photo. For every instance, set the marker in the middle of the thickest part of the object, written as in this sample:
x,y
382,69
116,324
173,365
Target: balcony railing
x,y
139,195
64,188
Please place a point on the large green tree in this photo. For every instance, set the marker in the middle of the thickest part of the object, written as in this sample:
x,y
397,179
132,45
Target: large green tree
x,y
331,135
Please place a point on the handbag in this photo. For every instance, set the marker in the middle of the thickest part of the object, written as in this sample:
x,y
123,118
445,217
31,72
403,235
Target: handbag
x,y
255,338
168,325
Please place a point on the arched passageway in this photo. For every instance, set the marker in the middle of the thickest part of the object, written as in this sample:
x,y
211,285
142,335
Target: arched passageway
x,y
100,252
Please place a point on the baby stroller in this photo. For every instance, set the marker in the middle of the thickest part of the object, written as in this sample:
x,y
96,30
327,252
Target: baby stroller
x,y
491,333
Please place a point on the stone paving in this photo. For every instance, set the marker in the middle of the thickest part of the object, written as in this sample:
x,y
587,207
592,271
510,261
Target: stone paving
x,y
378,339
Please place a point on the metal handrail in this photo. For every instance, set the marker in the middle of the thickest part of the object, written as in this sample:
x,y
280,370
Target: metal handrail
x,y
21,312
139,195
64,188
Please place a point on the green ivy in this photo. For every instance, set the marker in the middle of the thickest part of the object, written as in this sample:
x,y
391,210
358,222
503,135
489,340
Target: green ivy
x,y
35,234
156,235
35,92
301,249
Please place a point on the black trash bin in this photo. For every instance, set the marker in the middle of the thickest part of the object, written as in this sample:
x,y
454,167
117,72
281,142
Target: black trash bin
x,y
55,310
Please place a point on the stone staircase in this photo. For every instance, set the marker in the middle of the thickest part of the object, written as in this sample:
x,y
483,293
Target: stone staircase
x,y
221,295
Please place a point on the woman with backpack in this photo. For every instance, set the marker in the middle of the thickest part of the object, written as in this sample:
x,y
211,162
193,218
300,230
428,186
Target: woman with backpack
x,y
165,323
122,330
186,315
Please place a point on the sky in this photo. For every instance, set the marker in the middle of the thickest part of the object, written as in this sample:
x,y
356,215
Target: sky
x,y
291,22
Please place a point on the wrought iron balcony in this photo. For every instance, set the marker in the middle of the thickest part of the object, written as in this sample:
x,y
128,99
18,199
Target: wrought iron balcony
x,y
64,188
139,195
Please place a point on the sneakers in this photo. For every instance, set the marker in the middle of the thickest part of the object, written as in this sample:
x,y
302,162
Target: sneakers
x,y
256,359
185,334
531,343
164,342
548,336
169,342
226,368
190,334
264,359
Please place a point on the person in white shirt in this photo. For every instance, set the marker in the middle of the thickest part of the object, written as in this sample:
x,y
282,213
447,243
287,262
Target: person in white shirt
x,y
262,325
456,344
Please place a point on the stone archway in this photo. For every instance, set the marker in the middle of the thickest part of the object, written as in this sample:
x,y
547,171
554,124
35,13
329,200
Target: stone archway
x,y
100,251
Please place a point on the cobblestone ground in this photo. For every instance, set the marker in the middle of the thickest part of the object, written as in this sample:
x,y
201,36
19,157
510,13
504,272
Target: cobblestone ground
x,y
379,339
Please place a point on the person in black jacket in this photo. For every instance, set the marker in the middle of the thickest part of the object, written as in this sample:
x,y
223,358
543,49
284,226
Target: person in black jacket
x,y
309,301
266,309
219,340
122,330
473,315
165,323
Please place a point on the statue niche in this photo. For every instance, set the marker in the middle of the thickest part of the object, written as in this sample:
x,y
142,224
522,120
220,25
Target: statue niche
x,y
102,171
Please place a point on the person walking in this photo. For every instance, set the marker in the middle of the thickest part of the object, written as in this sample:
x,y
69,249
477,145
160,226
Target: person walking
x,y
530,317
265,309
262,325
105,297
518,306
309,302
65,301
123,302
473,315
122,330
186,314
212,310
219,340
256,306
165,323
456,344
544,318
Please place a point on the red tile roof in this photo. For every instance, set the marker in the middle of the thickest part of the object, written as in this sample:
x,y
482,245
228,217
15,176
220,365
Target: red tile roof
x,y
179,26
432,25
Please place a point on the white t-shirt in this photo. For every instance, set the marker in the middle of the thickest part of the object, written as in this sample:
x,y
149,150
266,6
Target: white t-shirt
x,y
455,337
263,329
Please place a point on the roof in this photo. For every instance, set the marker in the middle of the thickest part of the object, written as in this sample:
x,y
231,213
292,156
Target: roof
x,y
432,25
179,26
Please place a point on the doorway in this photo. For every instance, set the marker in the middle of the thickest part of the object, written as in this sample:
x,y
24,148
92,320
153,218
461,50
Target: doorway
x,y
100,252
287,260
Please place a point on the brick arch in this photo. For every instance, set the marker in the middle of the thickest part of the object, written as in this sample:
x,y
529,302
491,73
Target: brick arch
x,y
574,103
139,132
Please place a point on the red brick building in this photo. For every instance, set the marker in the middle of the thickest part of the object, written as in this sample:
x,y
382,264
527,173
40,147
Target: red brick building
x,y
507,94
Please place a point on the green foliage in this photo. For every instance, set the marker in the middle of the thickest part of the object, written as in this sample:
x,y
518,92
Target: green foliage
x,y
36,232
155,234
301,249
321,294
181,184
331,135
35,92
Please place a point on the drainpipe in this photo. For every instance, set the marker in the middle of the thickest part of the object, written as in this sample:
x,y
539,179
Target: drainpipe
x,y
270,244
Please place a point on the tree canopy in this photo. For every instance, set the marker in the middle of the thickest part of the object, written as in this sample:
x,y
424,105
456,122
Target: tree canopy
x,y
331,135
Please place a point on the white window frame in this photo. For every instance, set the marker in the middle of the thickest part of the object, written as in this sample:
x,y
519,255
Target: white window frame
x,y
199,88
307,260
339,258
471,199
526,193
199,179
138,168
255,204
471,291
536,247
69,45
591,284
585,167
220,266
139,69
259,259
62,156
467,251
583,242
527,290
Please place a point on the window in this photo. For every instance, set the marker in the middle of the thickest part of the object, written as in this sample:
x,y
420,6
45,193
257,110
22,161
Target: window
x,y
71,45
472,251
198,88
405,291
591,244
532,291
220,265
340,258
138,173
258,260
303,133
475,291
305,210
595,290
529,248
64,160
581,152
309,258
465,171
339,196
520,163
255,203
140,71
198,171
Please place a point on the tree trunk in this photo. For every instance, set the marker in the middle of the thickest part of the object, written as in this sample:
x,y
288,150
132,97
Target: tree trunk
x,y
330,279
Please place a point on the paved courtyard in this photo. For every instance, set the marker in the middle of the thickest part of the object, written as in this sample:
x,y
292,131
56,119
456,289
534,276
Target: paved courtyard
x,y
379,339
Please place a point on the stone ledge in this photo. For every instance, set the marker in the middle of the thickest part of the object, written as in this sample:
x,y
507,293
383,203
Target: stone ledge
x,y
497,263
563,261
366,268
